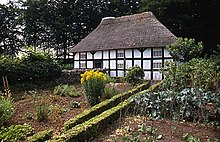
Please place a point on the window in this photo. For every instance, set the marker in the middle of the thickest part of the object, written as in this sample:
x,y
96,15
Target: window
x,y
98,64
157,53
157,65
83,56
120,55
120,65
82,65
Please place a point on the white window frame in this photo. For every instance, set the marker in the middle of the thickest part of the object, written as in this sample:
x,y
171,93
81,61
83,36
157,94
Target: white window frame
x,y
157,53
157,65
82,55
120,65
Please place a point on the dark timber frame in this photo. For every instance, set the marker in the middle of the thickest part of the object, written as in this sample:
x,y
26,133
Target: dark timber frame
x,y
125,58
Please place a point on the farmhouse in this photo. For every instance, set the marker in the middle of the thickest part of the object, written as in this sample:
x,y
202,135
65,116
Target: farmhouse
x,y
120,43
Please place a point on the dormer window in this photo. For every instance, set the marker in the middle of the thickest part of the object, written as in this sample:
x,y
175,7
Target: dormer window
x,y
157,53
82,55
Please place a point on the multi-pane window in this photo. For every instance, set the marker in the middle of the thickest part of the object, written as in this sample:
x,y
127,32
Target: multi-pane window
x,y
83,56
157,53
120,55
157,65
120,65
82,65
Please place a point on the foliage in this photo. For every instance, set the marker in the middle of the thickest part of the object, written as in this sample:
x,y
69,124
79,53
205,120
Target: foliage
x,y
135,75
188,18
75,104
185,49
109,92
32,66
66,90
197,73
15,132
28,116
103,106
42,111
183,105
41,136
6,109
94,84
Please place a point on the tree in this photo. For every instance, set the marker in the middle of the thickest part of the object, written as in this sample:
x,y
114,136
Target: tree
x,y
185,49
189,18
10,29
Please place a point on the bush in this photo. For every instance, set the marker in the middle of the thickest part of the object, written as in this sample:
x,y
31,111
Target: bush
x,y
94,84
42,111
41,136
32,66
6,109
15,132
66,90
109,92
135,75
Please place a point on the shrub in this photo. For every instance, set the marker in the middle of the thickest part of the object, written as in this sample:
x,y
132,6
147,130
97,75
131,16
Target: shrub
x,y
66,90
109,92
135,75
94,84
41,136
15,132
6,109
185,49
32,66
42,111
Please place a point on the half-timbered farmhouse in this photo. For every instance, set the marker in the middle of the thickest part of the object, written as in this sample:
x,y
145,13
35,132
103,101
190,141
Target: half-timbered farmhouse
x,y
120,43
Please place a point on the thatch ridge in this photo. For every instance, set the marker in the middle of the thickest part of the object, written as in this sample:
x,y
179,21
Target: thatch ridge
x,y
134,31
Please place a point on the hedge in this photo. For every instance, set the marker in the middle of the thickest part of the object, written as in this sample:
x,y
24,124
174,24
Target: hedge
x,y
89,128
99,108
41,136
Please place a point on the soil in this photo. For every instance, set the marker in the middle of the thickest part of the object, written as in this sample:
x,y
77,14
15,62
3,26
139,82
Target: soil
x,y
169,130
60,107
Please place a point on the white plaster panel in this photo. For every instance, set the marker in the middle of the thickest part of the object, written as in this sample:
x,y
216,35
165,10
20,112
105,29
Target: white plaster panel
x,y
137,53
128,53
121,73
112,73
147,75
76,56
76,64
98,55
147,53
137,63
166,53
113,64
128,64
89,55
157,75
105,54
146,64
112,54
105,64
89,64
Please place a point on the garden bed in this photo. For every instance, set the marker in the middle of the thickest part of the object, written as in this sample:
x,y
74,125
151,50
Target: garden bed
x,y
135,127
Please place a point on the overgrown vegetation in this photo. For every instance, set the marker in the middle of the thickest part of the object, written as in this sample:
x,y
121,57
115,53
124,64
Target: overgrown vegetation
x,y
135,75
15,132
31,67
66,90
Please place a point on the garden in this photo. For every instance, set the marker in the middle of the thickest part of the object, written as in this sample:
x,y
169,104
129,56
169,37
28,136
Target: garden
x,y
184,106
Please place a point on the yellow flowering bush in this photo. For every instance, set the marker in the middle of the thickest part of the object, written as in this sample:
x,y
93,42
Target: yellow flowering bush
x,y
94,84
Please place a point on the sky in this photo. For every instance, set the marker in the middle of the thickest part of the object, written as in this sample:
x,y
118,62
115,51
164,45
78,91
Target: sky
x,y
3,1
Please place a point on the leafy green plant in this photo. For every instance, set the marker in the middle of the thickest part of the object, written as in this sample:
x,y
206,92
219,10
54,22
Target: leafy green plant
x,y
135,75
94,84
185,49
42,111
66,90
6,109
189,138
75,104
15,132
109,92
28,116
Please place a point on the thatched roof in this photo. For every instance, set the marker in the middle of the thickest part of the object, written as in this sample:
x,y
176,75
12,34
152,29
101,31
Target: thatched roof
x,y
134,31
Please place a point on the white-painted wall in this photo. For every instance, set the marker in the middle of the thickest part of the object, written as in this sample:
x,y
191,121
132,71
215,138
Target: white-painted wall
x,y
128,62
